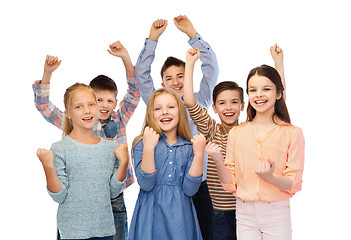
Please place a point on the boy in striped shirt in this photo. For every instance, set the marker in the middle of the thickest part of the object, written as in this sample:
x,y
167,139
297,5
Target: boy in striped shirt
x,y
228,102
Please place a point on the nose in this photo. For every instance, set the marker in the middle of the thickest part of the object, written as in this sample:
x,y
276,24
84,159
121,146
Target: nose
x,y
87,110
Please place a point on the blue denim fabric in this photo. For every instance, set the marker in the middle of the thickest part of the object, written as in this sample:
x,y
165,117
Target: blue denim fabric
x,y
120,218
203,205
224,225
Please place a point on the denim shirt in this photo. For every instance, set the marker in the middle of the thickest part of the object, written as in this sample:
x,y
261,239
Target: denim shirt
x,y
209,68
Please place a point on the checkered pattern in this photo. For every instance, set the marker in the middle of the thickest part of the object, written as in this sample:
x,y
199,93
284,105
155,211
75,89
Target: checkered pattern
x,y
126,109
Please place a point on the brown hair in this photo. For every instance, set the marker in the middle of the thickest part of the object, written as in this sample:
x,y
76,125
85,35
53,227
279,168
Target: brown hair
x,y
227,85
183,128
67,99
280,109
171,61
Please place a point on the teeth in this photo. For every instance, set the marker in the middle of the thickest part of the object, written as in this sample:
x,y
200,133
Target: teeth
x,y
166,119
229,114
260,101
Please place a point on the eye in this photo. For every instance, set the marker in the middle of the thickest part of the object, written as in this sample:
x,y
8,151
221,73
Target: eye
x,y
92,104
78,107
252,90
267,89
99,100
157,108
110,101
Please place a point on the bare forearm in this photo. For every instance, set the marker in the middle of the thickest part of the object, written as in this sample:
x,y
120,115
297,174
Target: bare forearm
x,y
282,182
197,165
148,161
279,66
188,89
128,64
46,77
223,173
52,180
121,172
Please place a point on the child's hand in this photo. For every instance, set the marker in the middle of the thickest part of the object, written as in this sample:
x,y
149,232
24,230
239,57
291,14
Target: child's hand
x,y
46,157
121,152
214,151
183,23
277,54
192,55
118,50
51,64
199,143
150,138
157,28
265,169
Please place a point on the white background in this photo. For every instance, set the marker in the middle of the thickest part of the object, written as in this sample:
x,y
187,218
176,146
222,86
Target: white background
x,y
314,35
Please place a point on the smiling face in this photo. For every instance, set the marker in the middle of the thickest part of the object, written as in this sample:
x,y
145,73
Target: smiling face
x,y
83,110
107,102
173,77
166,113
228,106
262,94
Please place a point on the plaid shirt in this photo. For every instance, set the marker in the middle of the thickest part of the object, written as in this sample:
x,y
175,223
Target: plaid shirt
x,y
126,109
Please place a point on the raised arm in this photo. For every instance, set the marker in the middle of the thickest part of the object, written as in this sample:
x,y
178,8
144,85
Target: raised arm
x,y
146,58
208,58
41,89
191,56
277,55
131,99
118,50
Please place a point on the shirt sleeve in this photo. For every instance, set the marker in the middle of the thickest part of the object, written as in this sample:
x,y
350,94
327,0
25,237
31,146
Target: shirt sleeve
x,y
209,69
129,102
295,161
116,186
143,70
230,163
146,181
191,184
203,121
47,109
60,168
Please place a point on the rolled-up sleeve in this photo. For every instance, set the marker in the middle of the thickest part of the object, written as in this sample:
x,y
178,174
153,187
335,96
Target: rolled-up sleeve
x,y
191,184
60,168
230,163
295,161
146,181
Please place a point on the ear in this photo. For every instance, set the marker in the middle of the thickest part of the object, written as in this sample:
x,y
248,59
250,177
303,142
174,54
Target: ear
x,y
279,95
116,102
242,106
214,108
68,115
163,85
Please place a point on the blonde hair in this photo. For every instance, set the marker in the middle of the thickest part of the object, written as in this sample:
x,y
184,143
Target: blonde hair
x,y
183,127
67,99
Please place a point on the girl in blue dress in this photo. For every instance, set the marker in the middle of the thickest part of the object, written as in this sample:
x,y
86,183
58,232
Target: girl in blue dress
x,y
168,166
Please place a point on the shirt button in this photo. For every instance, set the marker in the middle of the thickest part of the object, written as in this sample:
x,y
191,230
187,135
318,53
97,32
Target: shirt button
x,y
169,175
170,162
171,150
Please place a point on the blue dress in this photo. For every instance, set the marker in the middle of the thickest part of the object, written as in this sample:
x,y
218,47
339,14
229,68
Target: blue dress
x,y
164,209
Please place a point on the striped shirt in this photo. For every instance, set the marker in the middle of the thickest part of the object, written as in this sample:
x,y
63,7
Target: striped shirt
x,y
125,111
221,199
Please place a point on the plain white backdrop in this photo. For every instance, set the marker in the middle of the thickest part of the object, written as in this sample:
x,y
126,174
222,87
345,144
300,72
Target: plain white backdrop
x,y
314,36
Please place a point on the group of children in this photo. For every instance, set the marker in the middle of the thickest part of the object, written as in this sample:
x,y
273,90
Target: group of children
x,y
198,179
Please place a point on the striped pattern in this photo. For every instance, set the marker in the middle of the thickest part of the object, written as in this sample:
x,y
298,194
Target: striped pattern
x,y
221,199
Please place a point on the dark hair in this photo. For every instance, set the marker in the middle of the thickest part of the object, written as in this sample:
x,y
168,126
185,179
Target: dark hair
x,y
280,109
103,82
227,85
171,61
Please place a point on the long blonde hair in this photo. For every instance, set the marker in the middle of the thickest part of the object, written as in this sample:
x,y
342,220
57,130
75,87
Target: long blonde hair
x,y
67,99
183,127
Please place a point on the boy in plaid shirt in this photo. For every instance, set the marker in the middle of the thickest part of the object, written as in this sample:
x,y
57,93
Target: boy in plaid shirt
x,y
111,125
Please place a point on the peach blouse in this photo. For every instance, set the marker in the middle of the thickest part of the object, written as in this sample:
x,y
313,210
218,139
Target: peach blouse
x,y
284,144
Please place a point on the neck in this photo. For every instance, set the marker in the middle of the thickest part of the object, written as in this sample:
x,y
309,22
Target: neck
x,y
172,138
84,136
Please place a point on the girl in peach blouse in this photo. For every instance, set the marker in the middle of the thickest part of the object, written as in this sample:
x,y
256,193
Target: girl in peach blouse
x,y
264,160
